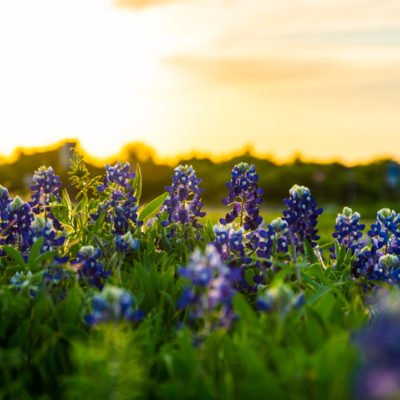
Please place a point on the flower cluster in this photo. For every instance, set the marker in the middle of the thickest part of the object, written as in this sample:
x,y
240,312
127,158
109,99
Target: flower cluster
x,y
378,375
120,204
233,246
210,295
183,203
16,221
126,243
113,304
281,299
42,228
244,197
379,261
229,242
20,278
4,201
348,231
119,175
45,186
89,267
302,216
386,230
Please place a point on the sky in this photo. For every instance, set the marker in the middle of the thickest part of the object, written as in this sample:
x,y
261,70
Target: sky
x,y
316,77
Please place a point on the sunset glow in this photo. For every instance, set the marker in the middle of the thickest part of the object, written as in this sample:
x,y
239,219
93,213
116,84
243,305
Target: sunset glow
x,y
320,78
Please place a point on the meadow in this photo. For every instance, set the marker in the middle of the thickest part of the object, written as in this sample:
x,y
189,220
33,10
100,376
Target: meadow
x,y
103,296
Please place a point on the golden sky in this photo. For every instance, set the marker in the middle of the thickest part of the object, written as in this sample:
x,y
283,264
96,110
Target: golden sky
x,y
320,77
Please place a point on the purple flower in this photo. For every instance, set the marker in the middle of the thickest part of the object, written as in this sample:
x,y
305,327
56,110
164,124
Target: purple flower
x,y
244,198
302,216
209,298
183,203
126,243
45,185
280,299
16,224
89,267
119,203
386,227
348,231
378,374
118,175
113,304
4,201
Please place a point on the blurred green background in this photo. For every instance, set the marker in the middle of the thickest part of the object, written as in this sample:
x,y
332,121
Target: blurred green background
x,y
365,188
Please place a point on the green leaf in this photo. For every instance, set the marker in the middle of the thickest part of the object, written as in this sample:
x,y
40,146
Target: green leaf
x,y
14,255
151,208
137,183
35,250
309,252
82,204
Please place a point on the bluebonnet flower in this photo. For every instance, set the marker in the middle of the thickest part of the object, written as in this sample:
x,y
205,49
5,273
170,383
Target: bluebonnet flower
x,y
89,267
52,240
119,175
244,197
385,229
385,241
302,216
348,231
4,201
113,304
57,280
280,299
183,203
126,243
19,278
210,295
119,202
22,279
16,222
45,185
231,246
378,373
229,242
275,243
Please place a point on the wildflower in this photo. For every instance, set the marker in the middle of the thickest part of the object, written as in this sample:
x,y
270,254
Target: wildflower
x,y
183,203
4,201
244,197
42,228
19,278
119,175
378,374
113,304
212,289
348,230
89,268
16,222
45,186
281,299
302,216
119,204
386,228
126,243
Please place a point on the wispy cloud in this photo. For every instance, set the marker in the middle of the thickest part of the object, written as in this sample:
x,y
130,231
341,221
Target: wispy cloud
x,y
238,70
140,4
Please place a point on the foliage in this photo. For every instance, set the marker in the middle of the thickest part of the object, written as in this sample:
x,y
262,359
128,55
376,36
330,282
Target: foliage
x,y
107,297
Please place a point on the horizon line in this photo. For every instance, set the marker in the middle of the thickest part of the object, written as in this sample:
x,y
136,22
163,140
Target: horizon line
x,y
190,154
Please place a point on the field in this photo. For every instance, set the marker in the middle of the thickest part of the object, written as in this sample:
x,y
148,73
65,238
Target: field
x,y
105,298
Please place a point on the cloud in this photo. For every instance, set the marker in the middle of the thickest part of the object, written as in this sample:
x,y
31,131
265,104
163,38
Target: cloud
x,y
238,70
140,4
